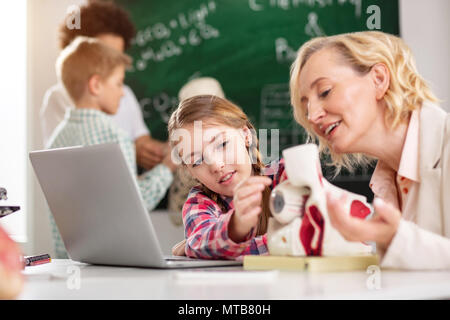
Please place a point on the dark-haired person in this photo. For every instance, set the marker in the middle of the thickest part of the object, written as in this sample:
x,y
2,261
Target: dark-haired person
x,y
110,24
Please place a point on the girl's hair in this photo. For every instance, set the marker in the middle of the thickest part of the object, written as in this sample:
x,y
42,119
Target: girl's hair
x,y
215,110
362,50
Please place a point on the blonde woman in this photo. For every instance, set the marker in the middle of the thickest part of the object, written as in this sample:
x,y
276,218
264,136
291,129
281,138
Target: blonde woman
x,y
360,96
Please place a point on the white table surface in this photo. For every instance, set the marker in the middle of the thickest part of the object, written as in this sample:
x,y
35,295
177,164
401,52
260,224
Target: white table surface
x,y
66,279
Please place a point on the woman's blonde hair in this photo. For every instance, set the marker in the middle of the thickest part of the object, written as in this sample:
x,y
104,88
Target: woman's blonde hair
x,y
216,110
362,50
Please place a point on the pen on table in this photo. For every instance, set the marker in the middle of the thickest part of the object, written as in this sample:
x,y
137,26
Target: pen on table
x,y
36,260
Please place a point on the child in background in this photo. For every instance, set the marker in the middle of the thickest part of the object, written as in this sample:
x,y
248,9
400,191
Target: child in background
x,y
93,75
112,25
226,216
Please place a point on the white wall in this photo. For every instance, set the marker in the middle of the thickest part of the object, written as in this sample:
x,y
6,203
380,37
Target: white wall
x,y
13,117
44,17
425,25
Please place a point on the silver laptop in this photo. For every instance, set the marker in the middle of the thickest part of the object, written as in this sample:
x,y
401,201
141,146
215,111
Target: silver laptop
x,y
99,211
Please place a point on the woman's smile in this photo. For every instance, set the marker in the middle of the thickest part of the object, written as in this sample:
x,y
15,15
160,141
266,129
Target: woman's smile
x,y
329,129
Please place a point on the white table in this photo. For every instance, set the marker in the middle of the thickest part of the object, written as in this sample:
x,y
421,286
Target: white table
x,y
66,279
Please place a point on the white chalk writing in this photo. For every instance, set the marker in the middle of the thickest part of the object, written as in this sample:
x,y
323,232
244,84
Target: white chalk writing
x,y
163,40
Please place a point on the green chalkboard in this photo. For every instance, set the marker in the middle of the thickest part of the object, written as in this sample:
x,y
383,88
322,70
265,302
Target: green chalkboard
x,y
248,45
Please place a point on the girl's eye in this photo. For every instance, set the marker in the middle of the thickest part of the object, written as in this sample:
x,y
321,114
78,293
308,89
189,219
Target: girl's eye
x,y
223,144
197,162
325,93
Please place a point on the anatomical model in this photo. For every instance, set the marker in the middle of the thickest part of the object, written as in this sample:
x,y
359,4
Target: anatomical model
x,y
300,225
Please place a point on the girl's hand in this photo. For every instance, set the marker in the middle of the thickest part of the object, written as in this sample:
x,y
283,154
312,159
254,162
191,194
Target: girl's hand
x,y
381,228
247,206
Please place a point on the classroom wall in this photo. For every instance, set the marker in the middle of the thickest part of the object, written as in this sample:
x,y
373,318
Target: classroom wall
x,y
44,17
425,25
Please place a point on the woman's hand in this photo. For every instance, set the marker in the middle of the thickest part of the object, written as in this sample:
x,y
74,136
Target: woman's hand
x,y
247,206
381,228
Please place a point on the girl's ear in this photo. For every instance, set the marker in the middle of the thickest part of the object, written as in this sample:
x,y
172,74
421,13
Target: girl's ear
x,y
248,138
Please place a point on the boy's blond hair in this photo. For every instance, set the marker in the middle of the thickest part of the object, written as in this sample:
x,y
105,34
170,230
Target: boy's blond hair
x,y
82,59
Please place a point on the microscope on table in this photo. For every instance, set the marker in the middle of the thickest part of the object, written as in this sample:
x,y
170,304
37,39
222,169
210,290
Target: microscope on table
x,y
6,210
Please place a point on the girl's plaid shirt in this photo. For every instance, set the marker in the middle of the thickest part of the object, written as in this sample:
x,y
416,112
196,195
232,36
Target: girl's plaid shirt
x,y
206,225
